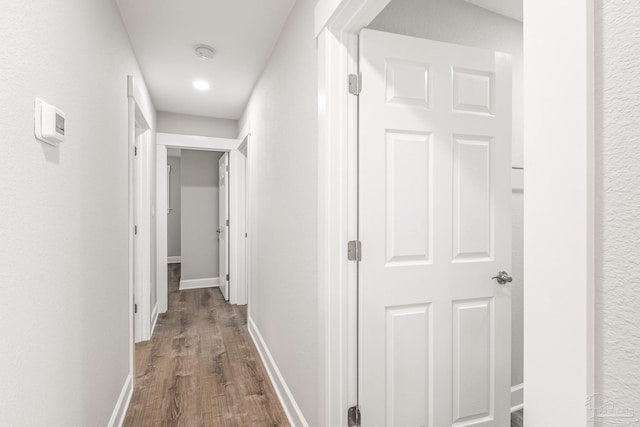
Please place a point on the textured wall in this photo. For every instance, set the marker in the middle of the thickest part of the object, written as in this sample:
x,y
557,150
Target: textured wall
x,y
618,201
64,300
284,181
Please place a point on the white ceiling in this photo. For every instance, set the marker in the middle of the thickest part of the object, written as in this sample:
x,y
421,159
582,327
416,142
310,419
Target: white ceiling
x,y
509,8
164,34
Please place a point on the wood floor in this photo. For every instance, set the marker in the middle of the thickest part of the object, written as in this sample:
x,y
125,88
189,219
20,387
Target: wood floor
x,y
201,367
516,419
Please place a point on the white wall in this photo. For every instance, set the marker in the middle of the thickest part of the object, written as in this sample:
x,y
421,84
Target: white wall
x,y
617,49
456,21
173,218
199,214
196,125
282,113
64,229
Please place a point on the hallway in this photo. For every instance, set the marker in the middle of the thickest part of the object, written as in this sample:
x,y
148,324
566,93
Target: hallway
x,y
201,367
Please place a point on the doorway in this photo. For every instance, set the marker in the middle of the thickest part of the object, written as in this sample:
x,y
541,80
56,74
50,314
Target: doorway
x,y
550,180
197,214
227,231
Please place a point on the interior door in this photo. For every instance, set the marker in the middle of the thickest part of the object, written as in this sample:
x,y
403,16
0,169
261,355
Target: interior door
x,y
223,228
434,222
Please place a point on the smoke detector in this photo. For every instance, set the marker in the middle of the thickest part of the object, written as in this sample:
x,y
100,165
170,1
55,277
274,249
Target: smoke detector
x,y
205,52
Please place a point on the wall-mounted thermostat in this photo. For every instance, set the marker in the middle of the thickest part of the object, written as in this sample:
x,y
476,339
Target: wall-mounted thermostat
x,y
49,123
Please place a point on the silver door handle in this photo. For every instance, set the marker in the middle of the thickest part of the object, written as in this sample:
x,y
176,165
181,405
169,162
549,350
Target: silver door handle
x,y
503,278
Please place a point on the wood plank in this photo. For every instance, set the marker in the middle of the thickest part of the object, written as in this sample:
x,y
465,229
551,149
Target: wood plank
x,y
201,368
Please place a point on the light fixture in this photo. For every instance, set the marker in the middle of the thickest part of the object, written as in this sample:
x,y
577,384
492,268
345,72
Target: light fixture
x,y
201,85
205,52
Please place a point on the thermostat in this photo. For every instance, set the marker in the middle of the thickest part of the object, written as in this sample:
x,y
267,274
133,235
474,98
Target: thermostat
x,y
49,123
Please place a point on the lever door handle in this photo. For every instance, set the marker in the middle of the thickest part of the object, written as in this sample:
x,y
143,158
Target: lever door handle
x,y
503,278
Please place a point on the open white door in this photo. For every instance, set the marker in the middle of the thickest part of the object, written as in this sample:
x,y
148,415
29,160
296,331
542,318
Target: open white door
x,y
434,215
223,229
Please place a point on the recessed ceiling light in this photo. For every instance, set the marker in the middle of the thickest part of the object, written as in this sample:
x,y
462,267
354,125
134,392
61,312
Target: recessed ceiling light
x,y
201,85
205,52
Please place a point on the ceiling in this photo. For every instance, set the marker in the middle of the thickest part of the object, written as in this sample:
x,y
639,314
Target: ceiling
x,y
164,35
509,8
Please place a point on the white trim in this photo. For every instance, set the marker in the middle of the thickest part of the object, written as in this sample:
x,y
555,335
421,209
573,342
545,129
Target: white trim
x,y
559,211
337,203
174,259
197,142
210,282
291,408
161,230
517,397
122,404
237,228
154,318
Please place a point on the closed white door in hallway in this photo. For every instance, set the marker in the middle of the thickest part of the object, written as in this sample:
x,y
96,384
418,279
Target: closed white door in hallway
x,y
435,200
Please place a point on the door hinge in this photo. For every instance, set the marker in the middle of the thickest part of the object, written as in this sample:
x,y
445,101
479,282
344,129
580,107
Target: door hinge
x,y
227,277
353,416
354,250
135,151
227,223
135,229
135,308
355,84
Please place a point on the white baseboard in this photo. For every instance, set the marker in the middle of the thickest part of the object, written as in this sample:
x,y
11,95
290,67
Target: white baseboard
x,y
210,282
154,319
120,411
294,414
174,259
517,397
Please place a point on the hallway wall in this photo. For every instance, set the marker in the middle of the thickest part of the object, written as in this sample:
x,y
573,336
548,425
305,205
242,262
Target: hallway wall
x,y
199,214
185,124
64,302
282,113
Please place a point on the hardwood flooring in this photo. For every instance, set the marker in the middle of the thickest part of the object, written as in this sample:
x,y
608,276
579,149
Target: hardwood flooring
x,y
201,367
516,419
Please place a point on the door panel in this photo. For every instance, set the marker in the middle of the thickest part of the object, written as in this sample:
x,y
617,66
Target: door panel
x,y
223,228
434,196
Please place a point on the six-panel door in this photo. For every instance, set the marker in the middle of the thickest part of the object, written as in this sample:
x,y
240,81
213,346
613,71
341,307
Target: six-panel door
x,y
435,160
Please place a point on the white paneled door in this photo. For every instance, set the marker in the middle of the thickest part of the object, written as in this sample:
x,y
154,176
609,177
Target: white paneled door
x,y
435,227
223,229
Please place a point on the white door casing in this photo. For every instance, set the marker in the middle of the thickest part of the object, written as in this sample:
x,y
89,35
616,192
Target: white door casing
x,y
223,228
434,194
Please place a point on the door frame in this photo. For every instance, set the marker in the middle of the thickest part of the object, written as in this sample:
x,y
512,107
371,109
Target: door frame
x,y
186,142
239,205
140,116
559,207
